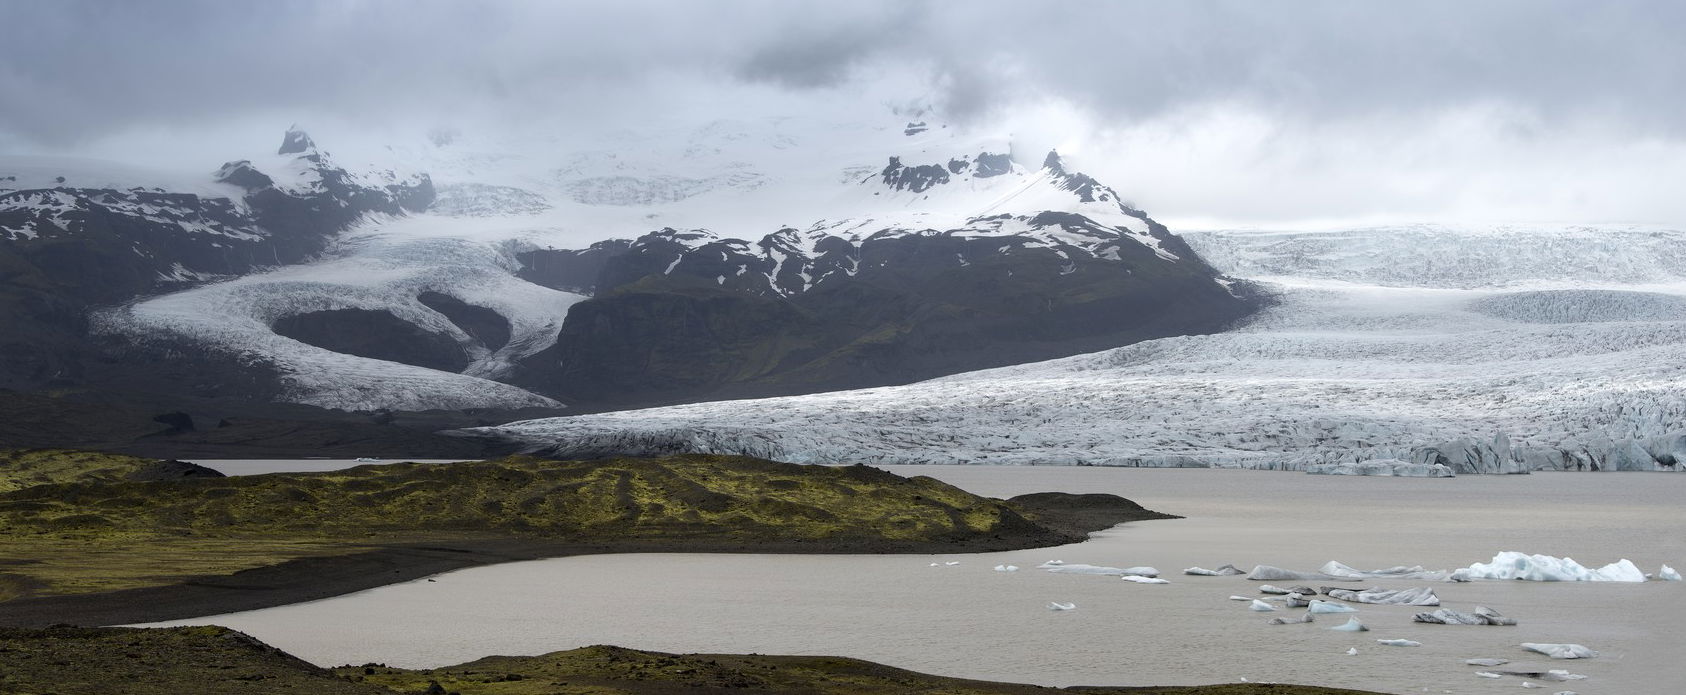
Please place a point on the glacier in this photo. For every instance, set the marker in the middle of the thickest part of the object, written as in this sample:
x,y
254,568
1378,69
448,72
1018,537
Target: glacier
x,y
1486,350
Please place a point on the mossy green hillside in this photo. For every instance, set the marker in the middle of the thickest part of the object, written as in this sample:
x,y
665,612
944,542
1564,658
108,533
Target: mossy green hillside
x,y
97,533
219,661
30,467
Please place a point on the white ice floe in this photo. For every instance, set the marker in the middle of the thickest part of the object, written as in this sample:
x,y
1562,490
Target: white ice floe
x,y
1545,568
1261,606
1223,571
1417,572
1143,580
1668,574
1078,568
1240,598
1560,651
1352,651
1304,618
1417,596
1488,674
1006,568
1399,642
1486,662
1320,606
1057,606
1351,625
1270,573
1482,615
952,563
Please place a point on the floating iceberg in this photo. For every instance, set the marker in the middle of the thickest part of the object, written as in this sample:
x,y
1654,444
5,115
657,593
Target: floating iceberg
x,y
1545,568
1261,607
952,563
1063,568
1318,606
1488,674
1481,616
1486,662
1352,651
1297,601
1057,606
1351,625
1560,651
1269,573
1268,589
1399,642
1143,580
1240,598
1336,569
1419,596
1224,571
1006,568
1304,618
1668,574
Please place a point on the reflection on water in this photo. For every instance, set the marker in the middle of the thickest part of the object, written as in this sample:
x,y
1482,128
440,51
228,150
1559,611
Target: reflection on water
x,y
967,620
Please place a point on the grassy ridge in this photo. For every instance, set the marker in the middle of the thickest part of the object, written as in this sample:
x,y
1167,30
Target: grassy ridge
x,y
219,661
100,532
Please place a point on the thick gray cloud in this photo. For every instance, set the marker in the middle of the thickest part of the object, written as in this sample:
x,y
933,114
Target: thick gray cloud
x,y
1550,74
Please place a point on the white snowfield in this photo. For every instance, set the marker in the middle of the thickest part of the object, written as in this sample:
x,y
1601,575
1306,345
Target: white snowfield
x,y
384,264
1493,350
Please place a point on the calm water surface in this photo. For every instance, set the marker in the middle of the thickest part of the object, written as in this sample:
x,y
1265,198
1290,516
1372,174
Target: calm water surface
x,y
969,621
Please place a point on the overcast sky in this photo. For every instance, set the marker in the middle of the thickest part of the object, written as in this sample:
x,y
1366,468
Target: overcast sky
x,y
1205,113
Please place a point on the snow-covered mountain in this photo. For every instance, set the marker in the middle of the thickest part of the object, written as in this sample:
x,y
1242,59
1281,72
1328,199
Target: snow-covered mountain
x,y
1493,348
769,255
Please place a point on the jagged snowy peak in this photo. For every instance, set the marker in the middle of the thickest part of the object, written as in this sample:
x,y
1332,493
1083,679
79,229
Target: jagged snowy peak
x,y
1334,372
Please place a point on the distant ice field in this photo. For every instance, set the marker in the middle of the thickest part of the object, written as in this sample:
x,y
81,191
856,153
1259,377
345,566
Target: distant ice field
x,y
1383,341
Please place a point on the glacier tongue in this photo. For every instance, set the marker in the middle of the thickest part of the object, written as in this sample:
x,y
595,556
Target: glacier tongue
x,y
1347,368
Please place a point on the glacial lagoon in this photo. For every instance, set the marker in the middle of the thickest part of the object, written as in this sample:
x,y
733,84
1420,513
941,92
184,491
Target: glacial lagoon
x,y
968,620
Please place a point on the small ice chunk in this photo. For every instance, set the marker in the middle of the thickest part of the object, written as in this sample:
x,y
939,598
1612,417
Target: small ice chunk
x,y
1297,601
1143,580
1304,618
1223,571
1075,568
1481,616
1526,684
1240,598
1057,606
1555,675
1351,625
1352,651
1486,662
952,563
1399,642
1321,606
1261,607
936,564
1006,568
1268,589
1418,596
1053,562
1269,573
1560,651
1488,674
1668,574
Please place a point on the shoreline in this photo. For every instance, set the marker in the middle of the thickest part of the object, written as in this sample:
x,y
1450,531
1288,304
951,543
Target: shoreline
x,y
313,578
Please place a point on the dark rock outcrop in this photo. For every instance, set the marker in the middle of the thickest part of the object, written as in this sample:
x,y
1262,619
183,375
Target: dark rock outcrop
x,y
375,334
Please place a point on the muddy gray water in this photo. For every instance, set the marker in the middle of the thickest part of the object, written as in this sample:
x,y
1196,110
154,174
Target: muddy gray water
x,y
970,621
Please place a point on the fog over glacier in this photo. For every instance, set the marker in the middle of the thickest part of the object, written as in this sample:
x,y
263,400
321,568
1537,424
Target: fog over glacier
x,y
1212,114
